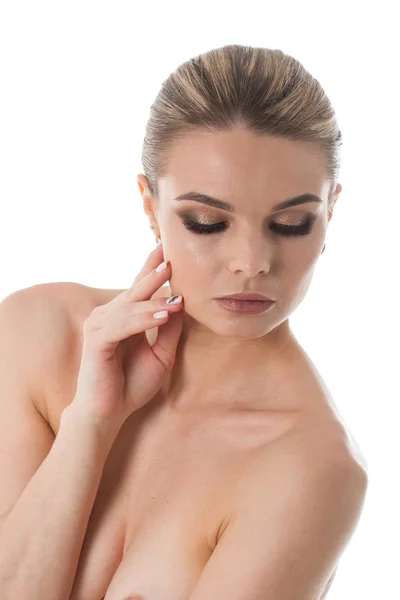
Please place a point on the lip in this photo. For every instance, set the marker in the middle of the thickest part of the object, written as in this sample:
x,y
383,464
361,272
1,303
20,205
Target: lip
x,y
248,307
246,296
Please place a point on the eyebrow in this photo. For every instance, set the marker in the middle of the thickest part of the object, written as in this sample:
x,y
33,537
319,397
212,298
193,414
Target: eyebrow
x,y
206,199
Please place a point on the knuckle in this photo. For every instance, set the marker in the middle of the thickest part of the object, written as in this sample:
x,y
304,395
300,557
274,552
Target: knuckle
x,y
129,294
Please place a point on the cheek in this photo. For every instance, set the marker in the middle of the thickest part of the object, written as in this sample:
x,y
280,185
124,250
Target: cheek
x,y
198,257
190,267
297,275
305,256
298,264
296,290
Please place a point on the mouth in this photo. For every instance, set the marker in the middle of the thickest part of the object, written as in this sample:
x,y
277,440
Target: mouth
x,y
246,307
254,297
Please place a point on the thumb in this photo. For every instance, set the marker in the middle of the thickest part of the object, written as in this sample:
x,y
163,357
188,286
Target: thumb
x,y
168,337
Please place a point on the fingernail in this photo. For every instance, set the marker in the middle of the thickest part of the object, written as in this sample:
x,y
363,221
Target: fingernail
x,y
174,300
162,314
161,267
159,243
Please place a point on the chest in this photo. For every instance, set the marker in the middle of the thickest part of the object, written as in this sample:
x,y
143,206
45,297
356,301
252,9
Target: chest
x,y
165,492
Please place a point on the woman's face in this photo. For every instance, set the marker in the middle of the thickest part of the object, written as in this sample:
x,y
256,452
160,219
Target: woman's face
x,y
247,248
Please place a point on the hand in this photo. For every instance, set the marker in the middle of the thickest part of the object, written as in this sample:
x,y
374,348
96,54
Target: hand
x,y
119,370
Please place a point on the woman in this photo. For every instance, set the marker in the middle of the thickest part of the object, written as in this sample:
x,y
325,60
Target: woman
x,y
223,470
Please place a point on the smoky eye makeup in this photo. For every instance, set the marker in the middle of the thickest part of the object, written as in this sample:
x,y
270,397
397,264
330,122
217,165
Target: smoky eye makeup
x,y
304,227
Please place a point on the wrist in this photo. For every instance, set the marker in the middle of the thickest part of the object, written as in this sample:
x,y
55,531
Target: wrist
x,y
100,431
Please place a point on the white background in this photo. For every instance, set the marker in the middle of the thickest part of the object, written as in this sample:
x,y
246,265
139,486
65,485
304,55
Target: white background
x,y
77,81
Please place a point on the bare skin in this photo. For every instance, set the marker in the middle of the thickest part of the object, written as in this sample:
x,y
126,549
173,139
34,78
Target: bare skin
x,y
219,351
170,473
239,383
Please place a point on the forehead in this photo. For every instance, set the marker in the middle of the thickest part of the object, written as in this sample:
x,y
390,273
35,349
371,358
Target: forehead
x,y
237,162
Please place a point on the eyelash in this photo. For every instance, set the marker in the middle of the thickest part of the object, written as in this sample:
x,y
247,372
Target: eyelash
x,y
287,230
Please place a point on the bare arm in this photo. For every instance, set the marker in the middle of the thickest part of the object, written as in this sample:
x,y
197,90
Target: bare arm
x,y
328,585
47,485
296,516
41,537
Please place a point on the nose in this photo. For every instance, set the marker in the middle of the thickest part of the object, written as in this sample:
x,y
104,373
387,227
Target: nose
x,y
250,257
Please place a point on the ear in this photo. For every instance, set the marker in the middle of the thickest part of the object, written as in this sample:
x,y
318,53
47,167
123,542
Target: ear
x,y
149,206
335,197
142,183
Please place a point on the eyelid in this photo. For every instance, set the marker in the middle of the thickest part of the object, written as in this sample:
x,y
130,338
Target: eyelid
x,y
189,216
306,215
215,212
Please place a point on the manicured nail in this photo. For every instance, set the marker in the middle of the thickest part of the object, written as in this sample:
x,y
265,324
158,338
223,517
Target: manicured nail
x,y
161,267
174,300
162,314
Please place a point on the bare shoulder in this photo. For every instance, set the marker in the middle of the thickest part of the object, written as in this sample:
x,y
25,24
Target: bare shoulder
x,y
322,420
70,304
58,311
311,447
295,512
49,337
312,461
311,450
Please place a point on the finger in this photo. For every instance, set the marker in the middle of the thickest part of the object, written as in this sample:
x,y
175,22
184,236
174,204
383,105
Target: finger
x,y
146,287
167,339
155,257
114,322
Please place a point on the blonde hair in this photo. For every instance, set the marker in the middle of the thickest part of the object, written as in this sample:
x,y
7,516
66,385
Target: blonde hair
x,y
265,90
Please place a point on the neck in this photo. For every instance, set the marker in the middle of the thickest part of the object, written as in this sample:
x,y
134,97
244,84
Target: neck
x,y
215,372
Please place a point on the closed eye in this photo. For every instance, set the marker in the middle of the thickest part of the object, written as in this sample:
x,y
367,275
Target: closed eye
x,y
304,228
